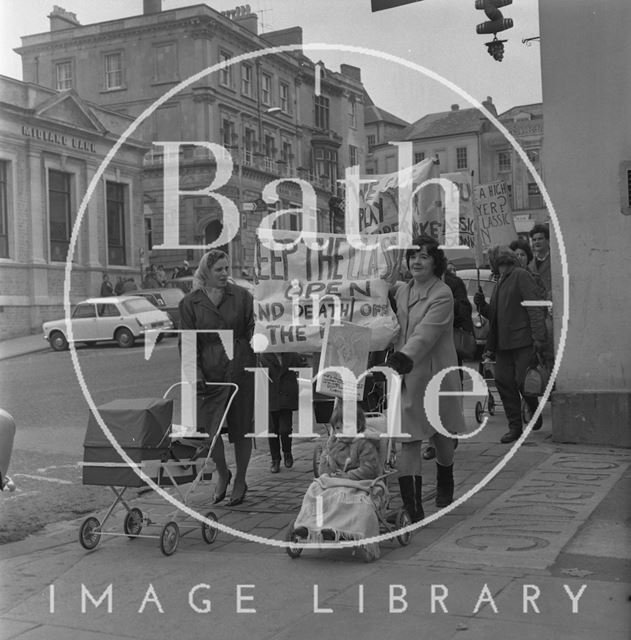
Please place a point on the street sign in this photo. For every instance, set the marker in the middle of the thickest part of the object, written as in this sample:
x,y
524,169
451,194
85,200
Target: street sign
x,y
248,207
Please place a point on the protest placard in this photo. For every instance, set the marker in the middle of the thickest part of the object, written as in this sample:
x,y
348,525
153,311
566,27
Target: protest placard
x,y
345,345
494,218
300,289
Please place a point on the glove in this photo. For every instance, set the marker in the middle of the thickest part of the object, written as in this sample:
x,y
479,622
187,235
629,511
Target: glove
x,y
538,346
401,363
202,389
478,299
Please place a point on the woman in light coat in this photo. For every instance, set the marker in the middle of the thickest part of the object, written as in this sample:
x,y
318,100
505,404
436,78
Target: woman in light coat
x,y
425,347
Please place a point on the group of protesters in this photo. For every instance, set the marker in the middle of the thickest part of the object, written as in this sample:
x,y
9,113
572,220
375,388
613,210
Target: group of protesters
x,y
155,278
428,306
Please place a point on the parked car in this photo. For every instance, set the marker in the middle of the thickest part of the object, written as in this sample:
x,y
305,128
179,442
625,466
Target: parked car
x,y
123,319
470,279
166,300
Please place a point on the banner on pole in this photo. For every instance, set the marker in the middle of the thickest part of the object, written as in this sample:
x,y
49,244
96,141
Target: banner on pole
x,y
299,290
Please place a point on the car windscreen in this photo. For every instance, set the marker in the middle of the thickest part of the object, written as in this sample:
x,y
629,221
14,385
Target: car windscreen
x,y
137,305
171,297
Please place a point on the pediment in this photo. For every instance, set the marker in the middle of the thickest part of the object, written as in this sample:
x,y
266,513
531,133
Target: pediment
x,y
68,108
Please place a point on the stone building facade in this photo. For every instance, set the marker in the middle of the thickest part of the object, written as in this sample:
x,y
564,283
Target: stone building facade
x,y
279,115
51,145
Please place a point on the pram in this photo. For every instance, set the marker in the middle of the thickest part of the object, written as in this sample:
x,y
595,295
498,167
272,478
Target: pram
x,y
145,430
389,519
486,369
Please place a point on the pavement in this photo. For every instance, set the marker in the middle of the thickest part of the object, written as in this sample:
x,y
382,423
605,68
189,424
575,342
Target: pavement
x,y
536,545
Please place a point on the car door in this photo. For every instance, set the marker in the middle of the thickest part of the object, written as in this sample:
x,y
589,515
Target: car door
x,y
84,322
109,316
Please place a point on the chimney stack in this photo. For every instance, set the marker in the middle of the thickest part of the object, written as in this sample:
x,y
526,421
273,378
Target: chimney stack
x,y
62,19
455,107
151,6
488,103
348,70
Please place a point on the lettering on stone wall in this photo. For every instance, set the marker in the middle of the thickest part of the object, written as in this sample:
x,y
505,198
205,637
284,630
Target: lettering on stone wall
x,y
45,135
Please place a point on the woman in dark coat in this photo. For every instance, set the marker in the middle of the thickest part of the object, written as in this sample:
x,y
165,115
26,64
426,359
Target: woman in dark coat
x,y
216,303
283,401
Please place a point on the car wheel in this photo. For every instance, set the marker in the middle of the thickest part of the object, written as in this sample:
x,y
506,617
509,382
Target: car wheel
x,y
124,338
58,341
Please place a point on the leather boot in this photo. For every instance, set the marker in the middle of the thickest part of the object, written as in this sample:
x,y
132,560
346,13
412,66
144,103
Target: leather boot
x,y
406,487
418,498
444,485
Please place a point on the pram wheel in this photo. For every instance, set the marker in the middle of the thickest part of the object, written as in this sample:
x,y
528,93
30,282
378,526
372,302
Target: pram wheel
x,y
209,532
403,520
491,404
169,538
90,533
132,525
292,551
479,412
317,453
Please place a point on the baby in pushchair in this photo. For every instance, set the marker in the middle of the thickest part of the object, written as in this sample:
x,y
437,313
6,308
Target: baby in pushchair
x,y
339,504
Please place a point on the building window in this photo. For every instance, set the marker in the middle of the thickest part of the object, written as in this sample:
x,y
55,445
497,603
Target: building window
x,y
225,75
326,167
533,156
503,161
419,157
352,113
63,75
148,235
283,89
321,112
113,71
4,209
461,158
115,206
266,89
249,145
246,80
228,134
59,214
287,156
535,199
371,140
352,155
165,62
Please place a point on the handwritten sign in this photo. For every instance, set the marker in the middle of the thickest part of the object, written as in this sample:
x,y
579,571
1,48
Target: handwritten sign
x,y
299,290
495,224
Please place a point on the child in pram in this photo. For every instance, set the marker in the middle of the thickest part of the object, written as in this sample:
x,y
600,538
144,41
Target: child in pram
x,y
338,505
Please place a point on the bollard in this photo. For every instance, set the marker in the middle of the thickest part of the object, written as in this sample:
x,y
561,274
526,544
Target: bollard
x,y
7,433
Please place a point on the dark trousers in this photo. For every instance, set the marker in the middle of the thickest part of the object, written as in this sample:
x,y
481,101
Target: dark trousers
x,y
280,424
510,371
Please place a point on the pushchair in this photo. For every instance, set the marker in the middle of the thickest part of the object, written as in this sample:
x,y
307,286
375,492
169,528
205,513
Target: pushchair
x,y
376,491
145,430
486,369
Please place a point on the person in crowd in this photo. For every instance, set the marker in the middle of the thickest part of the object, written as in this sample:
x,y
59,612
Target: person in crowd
x,y
215,303
425,346
283,401
451,268
462,320
184,270
118,287
151,281
161,275
515,332
129,284
107,289
540,238
525,257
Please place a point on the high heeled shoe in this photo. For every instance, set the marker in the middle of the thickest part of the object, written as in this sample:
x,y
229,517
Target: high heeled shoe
x,y
217,498
234,501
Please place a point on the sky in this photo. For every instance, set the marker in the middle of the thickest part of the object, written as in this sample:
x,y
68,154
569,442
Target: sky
x,y
436,34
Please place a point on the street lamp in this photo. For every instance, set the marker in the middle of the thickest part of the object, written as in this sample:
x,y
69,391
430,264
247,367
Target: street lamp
x,y
273,110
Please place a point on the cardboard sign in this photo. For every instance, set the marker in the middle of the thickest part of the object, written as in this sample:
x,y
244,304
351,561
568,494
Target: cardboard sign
x,y
299,290
344,345
494,218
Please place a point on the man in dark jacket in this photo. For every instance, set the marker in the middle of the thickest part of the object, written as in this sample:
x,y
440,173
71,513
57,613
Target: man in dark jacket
x,y
516,332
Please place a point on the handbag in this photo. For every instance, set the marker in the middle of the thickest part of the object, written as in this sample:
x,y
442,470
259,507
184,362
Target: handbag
x,y
536,378
465,343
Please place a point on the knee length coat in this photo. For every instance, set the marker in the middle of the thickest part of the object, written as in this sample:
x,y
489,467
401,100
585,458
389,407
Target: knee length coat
x,y
426,336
